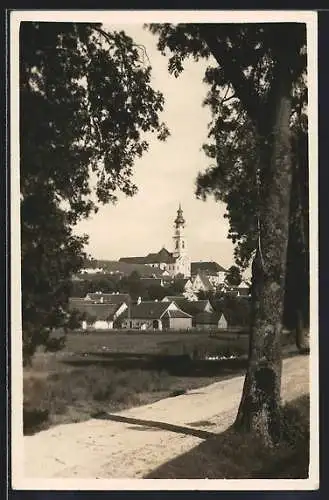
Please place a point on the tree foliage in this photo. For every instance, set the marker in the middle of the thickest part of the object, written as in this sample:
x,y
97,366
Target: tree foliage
x,y
243,62
233,276
259,74
240,96
86,109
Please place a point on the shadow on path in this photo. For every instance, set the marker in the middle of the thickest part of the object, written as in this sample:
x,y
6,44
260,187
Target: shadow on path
x,y
151,424
234,455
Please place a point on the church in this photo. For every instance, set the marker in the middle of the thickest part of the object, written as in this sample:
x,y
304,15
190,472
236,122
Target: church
x,y
174,263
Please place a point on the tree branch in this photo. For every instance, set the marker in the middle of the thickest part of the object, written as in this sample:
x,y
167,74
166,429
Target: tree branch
x,y
243,86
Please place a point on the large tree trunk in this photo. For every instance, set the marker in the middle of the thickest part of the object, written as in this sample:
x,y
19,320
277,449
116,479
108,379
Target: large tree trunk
x,y
302,343
259,409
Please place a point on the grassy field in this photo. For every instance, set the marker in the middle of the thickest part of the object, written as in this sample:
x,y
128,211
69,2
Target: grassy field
x,y
112,371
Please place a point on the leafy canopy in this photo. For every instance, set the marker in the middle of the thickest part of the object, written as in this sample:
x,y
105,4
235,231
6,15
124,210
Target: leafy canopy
x,y
86,111
241,78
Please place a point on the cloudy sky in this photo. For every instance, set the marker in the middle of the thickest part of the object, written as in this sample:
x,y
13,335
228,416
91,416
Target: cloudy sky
x,y
165,176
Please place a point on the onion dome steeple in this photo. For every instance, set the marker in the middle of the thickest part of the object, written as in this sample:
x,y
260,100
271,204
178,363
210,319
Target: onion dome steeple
x,y
179,221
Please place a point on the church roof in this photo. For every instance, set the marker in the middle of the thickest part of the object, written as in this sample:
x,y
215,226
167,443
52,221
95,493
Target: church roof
x,y
163,256
133,260
126,266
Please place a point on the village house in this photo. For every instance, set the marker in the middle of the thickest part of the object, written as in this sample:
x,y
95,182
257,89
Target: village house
x,y
237,311
97,315
201,283
100,310
208,320
188,291
153,315
215,273
204,315
202,311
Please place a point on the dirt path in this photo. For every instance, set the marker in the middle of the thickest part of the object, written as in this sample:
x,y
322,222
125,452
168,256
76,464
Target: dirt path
x,y
134,442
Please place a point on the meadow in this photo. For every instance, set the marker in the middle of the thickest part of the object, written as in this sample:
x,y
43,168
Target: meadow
x,y
111,371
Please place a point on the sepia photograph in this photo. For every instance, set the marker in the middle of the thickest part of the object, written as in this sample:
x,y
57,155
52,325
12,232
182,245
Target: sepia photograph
x,y
164,329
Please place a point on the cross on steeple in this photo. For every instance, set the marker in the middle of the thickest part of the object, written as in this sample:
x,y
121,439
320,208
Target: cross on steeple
x,y
179,221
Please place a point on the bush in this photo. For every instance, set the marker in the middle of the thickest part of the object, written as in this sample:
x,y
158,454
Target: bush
x,y
34,418
48,398
295,422
201,348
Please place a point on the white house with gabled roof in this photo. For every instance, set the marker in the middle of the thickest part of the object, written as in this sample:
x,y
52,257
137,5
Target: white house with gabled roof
x,y
154,315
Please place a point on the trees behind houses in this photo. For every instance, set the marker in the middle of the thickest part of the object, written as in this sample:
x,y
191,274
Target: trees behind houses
x,y
233,276
132,284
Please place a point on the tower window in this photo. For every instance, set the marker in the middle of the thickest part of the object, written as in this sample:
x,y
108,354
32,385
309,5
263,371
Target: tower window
x,y
176,243
182,244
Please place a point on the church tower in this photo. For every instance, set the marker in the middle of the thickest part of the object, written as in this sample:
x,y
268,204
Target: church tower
x,y
179,240
182,262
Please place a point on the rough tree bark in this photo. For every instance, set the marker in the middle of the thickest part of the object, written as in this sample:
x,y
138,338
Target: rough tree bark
x,y
302,201
259,409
